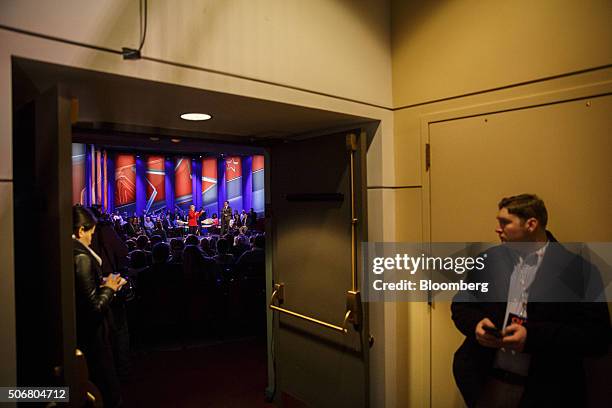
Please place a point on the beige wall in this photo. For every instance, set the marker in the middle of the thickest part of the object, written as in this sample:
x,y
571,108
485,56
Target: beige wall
x,y
447,49
339,47
450,48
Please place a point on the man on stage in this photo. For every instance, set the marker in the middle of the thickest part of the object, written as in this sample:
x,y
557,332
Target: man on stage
x,y
226,216
192,220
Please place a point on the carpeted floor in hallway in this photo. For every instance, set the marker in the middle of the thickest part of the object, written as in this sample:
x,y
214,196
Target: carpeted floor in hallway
x,y
230,374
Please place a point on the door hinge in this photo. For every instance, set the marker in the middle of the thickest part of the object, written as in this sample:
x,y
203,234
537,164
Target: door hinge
x,y
427,156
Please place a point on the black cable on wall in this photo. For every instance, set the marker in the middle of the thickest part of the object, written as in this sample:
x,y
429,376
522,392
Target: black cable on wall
x,y
131,53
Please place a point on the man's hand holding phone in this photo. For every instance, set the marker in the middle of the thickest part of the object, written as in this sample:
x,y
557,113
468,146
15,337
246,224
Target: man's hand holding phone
x,y
488,335
493,331
514,337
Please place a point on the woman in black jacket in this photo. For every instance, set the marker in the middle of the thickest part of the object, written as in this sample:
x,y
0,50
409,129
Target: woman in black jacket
x,y
93,298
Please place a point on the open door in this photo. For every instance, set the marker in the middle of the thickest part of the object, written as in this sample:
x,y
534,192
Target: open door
x,y
44,278
320,351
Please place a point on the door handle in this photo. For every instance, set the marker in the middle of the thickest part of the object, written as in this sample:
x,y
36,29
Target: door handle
x,y
353,313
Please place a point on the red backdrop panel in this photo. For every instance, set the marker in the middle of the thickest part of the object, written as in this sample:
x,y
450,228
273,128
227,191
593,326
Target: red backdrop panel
x,y
125,179
155,176
233,168
182,179
209,173
258,162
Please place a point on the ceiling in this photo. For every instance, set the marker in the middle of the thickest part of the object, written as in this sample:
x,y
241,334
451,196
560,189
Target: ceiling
x,y
116,107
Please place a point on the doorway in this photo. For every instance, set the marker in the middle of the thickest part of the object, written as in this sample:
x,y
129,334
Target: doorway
x,y
112,107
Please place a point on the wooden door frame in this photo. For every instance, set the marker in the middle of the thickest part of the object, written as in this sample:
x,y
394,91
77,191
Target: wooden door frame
x,y
51,130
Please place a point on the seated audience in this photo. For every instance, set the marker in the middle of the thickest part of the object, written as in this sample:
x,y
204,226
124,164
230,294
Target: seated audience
x,y
138,262
223,256
176,248
142,243
148,226
205,247
257,254
192,240
159,230
155,239
160,253
138,230
131,245
241,242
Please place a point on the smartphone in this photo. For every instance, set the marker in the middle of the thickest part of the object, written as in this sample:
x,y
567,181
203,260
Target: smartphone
x,y
493,331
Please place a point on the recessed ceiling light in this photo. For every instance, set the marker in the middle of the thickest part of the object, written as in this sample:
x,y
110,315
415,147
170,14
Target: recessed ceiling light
x,y
175,140
195,116
154,138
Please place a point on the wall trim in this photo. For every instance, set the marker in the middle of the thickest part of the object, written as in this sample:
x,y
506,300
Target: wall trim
x,y
194,67
392,187
484,91
297,88
63,40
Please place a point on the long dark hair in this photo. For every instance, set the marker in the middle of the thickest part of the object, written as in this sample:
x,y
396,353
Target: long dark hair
x,y
82,217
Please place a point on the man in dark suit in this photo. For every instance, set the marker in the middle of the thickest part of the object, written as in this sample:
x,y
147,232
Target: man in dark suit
x,y
526,338
226,216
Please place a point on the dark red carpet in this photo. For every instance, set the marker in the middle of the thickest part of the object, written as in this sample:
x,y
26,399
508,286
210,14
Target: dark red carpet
x,y
230,374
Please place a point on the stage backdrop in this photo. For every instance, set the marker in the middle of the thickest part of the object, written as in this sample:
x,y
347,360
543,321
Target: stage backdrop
x,y
156,188
233,177
78,174
259,198
125,183
182,183
116,180
209,185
